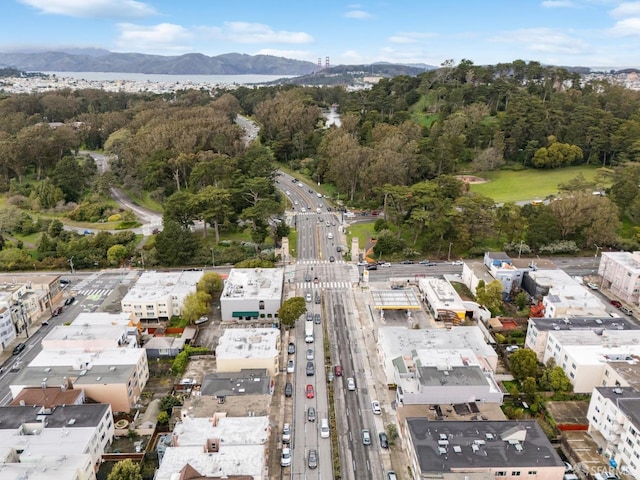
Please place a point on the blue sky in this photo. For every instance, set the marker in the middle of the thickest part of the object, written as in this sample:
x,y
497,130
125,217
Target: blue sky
x,y
561,32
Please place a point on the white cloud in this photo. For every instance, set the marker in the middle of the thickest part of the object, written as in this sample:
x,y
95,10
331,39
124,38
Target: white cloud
x,y
245,32
626,28
410,37
544,40
357,14
161,38
627,9
93,8
558,4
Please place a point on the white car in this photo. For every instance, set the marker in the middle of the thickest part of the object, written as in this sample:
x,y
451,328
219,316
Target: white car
x,y
512,348
286,433
375,407
300,184
592,286
351,384
310,354
319,195
295,202
385,264
349,214
291,366
285,459
324,428
288,192
457,262
363,264
303,210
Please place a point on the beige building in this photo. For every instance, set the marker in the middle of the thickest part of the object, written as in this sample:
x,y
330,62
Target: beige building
x,y
620,272
113,376
249,348
160,295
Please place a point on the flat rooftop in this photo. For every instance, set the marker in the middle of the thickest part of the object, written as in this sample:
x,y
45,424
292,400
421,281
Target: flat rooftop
x,y
584,323
48,397
61,375
442,446
234,406
44,467
248,343
104,318
468,412
629,370
232,431
79,333
441,294
245,382
227,462
86,415
630,260
78,356
452,377
154,285
401,299
253,283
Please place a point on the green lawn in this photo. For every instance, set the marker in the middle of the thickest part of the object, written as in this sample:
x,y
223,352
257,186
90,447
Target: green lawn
x,y
531,184
145,200
293,243
363,231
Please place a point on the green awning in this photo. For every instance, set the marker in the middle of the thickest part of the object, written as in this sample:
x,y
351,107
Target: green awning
x,y
244,314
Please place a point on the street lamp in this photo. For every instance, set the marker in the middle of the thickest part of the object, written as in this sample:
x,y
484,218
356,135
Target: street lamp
x,y
213,258
597,249
449,254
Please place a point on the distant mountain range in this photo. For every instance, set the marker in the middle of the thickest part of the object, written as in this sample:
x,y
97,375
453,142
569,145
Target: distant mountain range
x,y
96,60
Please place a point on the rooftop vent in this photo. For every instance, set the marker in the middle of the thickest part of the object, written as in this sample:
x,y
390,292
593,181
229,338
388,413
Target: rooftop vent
x,y
617,391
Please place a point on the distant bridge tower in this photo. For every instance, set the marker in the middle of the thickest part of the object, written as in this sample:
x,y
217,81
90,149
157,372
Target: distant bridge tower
x,y
326,62
319,63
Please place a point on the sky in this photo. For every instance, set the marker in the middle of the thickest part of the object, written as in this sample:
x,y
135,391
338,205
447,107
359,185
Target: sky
x,y
593,33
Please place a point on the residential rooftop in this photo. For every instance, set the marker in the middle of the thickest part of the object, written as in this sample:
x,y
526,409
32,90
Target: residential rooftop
x,y
628,370
80,358
104,318
584,323
48,397
450,377
154,285
65,375
248,343
631,260
64,416
443,446
231,431
43,466
254,283
245,382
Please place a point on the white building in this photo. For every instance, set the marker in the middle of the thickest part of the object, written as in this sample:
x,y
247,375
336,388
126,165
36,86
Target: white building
x,y
252,294
217,447
91,338
43,437
160,295
394,342
441,299
249,348
565,297
584,355
538,329
614,424
620,272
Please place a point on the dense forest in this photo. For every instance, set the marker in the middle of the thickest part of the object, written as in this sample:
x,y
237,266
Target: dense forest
x,y
399,148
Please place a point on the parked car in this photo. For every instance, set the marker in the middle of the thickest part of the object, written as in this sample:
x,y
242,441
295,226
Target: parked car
x,y
286,433
291,366
69,300
626,310
366,437
288,389
373,266
363,264
309,391
384,441
375,407
512,348
19,348
291,349
202,320
421,262
337,370
285,459
313,459
391,475
384,264
57,311
457,262
408,262
592,286
616,303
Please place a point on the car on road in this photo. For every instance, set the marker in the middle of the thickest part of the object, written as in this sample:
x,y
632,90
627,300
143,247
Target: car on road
x,y
457,263
288,192
366,437
291,366
303,210
330,236
316,280
363,264
408,262
18,349
288,389
307,297
324,428
309,317
57,311
310,354
616,303
626,310
373,266
421,262
307,277
317,319
318,300
69,300
291,349
313,459
202,320
65,281
311,414
351,384
285,459
375,407
310,369
592,286
384,441
391,475
286,433
300,184
309,391
430,264
337,371
384,264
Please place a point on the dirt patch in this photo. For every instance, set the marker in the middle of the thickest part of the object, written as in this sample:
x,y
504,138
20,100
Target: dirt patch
x,y
472,179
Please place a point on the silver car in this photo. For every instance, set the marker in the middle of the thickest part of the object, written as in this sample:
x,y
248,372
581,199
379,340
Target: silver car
x,y
313,458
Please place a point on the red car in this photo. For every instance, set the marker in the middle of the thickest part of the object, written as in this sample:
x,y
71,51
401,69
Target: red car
x,y
310,393
337,370
616,303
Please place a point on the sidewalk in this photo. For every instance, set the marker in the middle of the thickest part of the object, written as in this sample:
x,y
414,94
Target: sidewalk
x,y
6,355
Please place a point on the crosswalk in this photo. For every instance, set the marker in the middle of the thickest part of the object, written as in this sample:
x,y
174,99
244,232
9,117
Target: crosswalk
x,y
96,292
321,285
318,262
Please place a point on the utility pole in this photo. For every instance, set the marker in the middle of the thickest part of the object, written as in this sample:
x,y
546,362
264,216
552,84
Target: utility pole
x,y
597,249
449,254
213,258
71,263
